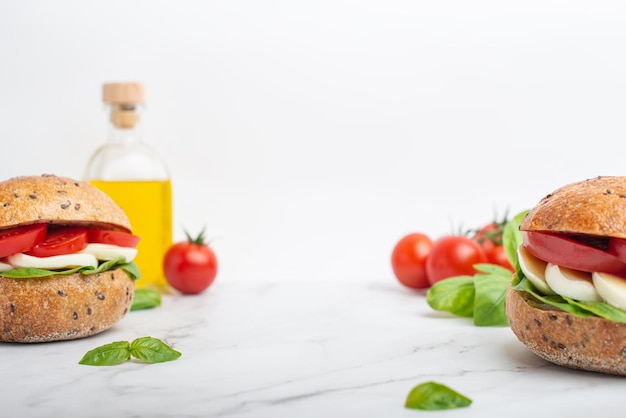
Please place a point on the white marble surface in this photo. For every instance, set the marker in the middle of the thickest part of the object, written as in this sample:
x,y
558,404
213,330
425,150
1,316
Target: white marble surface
x,y
308,137
298,349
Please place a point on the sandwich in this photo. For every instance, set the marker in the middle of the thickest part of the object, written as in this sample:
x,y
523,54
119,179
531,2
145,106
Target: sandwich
x,y
66,260
567,300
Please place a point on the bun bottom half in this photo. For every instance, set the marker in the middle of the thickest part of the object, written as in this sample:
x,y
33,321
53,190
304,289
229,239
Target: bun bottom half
x,y
592,343
63,307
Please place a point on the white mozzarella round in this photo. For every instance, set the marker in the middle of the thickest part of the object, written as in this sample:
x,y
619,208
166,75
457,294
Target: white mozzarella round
x,y
611,288
534,269
21,260
109,252
573,284
5,267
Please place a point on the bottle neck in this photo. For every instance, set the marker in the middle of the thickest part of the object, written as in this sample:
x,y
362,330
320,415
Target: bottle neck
x,y
124,122
124,134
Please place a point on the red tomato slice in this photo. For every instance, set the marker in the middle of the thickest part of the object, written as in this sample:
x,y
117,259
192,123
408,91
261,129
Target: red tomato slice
x,y
20,239
617,247
567,252
121,239
59,241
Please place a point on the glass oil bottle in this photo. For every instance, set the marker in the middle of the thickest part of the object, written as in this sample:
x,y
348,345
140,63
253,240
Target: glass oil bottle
x,y
136,178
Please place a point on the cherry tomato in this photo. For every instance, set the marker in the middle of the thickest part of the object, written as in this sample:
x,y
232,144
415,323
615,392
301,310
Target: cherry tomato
x,y
490,238
568,252
59,241
190,266
119,238
497,255
408,260
21,238
453,255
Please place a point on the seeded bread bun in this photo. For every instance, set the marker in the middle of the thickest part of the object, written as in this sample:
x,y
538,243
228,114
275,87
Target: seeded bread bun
x,y
595,206
57,200
592,343
63,307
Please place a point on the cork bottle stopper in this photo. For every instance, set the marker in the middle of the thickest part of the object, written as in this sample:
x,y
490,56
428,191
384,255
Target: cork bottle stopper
x,y
122,93
123,98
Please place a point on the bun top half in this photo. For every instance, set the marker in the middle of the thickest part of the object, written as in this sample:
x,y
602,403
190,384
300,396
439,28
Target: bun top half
x,y
58,200
595,206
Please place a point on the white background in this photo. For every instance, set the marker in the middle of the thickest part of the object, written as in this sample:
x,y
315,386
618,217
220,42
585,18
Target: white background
x,y
308,136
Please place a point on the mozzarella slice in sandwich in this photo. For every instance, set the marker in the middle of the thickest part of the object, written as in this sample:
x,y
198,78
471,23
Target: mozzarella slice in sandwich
x,y
611,288
89,256
109,252
573,284
21,260
534,269
5,267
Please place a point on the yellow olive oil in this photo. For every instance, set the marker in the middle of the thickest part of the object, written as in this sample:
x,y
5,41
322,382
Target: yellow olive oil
x,y
148,205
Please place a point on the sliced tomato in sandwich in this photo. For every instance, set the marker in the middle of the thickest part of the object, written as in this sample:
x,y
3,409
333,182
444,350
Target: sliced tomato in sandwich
x,y
577,254
617,247
20,239
59,241
121,239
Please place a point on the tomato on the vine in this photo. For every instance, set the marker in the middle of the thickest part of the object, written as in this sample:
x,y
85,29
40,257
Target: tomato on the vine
x,y
497,255
190,266
453,255
408,260
490,238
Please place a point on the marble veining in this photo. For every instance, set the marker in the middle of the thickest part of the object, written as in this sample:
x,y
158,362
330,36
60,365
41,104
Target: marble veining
x,y
298,349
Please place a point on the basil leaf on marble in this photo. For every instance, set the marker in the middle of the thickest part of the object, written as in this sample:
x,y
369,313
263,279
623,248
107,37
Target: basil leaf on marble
x,y
153,350
145,299
433,396
491,283
146,349
480,297
454,295
108,354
